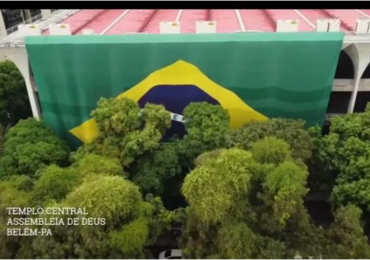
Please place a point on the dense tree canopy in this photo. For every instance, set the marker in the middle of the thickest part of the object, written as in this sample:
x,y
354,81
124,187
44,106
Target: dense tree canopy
x,y
96,164
345,154
127,132
254,207
214,189
348,236
156,167
110,197
54,184
130,223
14,102
14,192
289,130
271,150
236,197
207,128
244,188
29,146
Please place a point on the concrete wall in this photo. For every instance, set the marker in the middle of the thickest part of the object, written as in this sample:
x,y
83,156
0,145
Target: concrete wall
x,y
45,13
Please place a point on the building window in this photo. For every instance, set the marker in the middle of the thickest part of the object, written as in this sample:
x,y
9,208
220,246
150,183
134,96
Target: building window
x,y
35,12
12,17
35,15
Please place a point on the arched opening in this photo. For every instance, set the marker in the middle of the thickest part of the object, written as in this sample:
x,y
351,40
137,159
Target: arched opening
x,y
363,97
345,68
339,100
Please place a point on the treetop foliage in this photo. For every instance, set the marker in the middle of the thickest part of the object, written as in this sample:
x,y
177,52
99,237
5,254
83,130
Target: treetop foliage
x,y
110,197
207,128
212,188
54,184
225,195
271,150
345,154
130,222
14,102
347,232
244,189
117,117
158,166
126,131
96,164
16,191
29,146
289,130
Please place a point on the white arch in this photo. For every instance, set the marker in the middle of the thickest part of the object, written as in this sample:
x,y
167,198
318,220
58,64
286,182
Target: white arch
x,y
360,56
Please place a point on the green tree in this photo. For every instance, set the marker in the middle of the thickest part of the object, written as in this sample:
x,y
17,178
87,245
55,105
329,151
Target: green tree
x,y
290,130
271,150
153,169
54,184
213,189
130,222
134,136
248,204
347,235
322,174
29,146
238,241
126,131
207,128
354,192
216,191
110,197
97,164
285,187
345,154
15,192
14,102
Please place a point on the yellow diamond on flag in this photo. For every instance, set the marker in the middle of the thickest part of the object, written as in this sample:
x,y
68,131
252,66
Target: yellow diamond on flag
x,y
178,74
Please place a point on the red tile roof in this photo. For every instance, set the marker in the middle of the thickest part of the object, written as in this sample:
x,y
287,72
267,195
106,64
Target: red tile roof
x,y
148,20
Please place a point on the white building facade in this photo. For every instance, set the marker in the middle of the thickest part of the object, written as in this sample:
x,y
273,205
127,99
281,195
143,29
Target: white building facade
x,y
10,19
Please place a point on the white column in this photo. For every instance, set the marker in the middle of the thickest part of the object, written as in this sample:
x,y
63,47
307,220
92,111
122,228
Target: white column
x,y
2,25
240,20
22,14
119,18
360,56
45,13
178,16
20,58
26,14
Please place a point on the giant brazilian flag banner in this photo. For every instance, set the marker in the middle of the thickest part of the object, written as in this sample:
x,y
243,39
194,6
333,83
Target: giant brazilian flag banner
x,y
255,76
